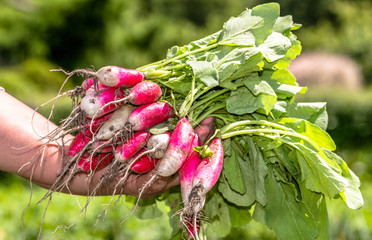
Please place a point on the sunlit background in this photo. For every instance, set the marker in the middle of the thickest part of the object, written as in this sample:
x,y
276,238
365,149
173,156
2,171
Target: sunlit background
x,y
37,36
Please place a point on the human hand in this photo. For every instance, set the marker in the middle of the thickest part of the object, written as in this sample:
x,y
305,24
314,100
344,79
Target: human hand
x,y
134,182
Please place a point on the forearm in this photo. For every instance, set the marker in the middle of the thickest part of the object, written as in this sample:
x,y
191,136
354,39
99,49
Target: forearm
x,y
21,144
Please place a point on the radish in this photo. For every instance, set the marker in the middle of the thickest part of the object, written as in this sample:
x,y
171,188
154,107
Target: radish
x,y
97,104
79,142
205,177
91,163
209,169
127,150
188,169
114,76
143,93
149,115
116,122
143,164
178,148
157,144
91,128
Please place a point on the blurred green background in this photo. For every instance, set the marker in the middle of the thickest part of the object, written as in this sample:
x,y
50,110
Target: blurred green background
x,y
38,35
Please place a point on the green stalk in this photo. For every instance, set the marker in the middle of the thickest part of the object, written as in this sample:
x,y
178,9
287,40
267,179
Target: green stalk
x,y
253,122
261,132
213,96
208,113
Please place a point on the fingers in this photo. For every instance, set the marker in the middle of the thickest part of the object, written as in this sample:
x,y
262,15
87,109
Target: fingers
x,y
205,129
135,183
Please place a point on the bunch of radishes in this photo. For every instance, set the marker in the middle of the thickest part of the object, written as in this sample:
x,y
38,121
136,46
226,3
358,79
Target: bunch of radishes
x,y
119,107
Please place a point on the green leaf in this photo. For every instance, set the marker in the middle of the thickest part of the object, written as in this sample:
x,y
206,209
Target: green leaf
x,y
258,86
283,83
274,47
218,214
260,171
284,213
204,42
233,172
351,194
246,39
283,25
173,202
246,199
292,52
205,72
317,205
242,101
253,63
312,131
239,216
235,27
317,174
270,13
314,112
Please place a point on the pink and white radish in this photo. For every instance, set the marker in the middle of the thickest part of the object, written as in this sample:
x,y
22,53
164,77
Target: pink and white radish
x,y
115,123
143,93
204,178
209,169
143,164
91,127
128,149
157,144
96,104
187,171
178,148
114,76
149,115
78,143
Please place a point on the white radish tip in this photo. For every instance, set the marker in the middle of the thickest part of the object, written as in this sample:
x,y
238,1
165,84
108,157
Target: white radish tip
x,y
90,105
108,75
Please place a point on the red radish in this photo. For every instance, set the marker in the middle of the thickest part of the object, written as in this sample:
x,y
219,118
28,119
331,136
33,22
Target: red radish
x,y
143,164
92,127
114,76
149,115
87,163
116,122
157,144
209,169
206,176
127,150
188,169
178,148
143,93
97,104
102,146
79,142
